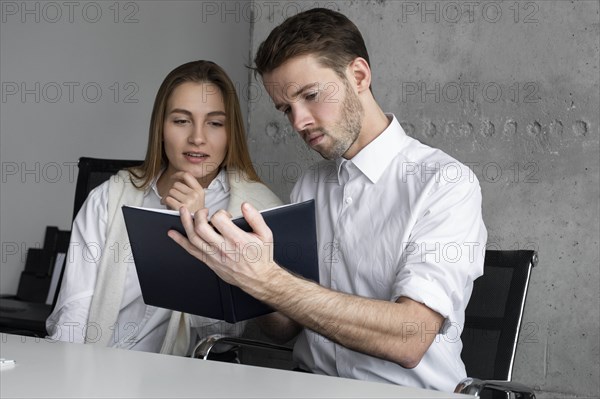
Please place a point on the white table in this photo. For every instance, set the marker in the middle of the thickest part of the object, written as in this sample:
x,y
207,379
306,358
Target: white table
x,y
54,369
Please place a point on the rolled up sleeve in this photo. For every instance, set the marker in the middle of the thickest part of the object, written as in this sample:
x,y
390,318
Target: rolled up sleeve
x,y
446,249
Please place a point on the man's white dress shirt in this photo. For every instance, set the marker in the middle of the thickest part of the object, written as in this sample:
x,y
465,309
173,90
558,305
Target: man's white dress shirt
x,y
400,219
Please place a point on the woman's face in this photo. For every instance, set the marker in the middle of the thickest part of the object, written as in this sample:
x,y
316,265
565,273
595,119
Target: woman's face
x,y
194,133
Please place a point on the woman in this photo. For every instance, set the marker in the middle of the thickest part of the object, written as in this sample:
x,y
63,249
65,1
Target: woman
x,y
197,157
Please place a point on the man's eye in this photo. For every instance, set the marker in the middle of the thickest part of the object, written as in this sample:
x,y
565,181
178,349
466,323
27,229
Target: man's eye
x,y
285,110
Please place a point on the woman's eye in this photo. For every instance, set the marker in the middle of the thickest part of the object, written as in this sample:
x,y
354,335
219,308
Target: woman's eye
x,y
312,96
180,121
216,123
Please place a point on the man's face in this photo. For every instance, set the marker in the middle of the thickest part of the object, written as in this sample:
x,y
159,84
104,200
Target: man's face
x,y
323,108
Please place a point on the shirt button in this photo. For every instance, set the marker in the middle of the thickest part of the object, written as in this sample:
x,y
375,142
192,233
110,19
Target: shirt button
x,y
348,200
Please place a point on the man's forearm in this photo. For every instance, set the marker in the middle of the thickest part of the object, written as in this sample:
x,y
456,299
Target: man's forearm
x,y
278,327
399,331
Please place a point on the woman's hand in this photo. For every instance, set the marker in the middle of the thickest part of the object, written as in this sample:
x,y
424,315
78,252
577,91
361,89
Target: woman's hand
x,y
183,190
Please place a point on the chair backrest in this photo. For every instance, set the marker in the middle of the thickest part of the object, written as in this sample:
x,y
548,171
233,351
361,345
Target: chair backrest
x,y
494,314
93,172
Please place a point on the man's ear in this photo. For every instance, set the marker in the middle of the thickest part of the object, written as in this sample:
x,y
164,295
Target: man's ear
x,y
360,73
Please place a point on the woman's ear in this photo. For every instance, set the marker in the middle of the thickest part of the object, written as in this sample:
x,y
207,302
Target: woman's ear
x,y
360,73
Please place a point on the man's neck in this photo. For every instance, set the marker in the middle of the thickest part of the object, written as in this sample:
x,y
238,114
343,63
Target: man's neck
x,y
373,124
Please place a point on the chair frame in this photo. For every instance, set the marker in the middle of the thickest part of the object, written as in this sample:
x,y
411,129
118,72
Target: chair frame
x,y
475,386
509,334
204,347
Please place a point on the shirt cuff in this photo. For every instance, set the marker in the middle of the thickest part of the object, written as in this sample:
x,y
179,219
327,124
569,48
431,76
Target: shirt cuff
x,y
430,294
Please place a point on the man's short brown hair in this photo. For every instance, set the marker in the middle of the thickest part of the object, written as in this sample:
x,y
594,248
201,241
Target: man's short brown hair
x,y
326,34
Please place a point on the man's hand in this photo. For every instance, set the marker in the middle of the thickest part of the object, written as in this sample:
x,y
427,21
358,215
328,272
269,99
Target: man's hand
x,y
183,190
238,257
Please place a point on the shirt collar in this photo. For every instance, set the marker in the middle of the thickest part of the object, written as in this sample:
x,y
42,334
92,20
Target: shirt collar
x,y
373,159
153,184
219,182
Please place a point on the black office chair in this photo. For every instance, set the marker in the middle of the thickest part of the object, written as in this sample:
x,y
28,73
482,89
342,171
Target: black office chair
x,y
493,321
92,173
39,285
492,324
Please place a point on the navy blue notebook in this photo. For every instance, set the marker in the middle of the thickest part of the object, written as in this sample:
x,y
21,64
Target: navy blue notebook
x,y
173,279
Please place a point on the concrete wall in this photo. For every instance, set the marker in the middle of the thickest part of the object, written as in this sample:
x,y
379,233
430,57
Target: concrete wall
x,y
511,89
79,79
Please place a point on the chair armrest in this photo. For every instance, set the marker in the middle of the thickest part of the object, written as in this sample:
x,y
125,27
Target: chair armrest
x,y
203,348
474,386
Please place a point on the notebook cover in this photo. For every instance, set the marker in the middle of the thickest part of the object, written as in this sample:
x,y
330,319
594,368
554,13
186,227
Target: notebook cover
x,y
173,279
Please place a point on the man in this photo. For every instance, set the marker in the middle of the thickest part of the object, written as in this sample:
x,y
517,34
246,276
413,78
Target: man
x,y
401,237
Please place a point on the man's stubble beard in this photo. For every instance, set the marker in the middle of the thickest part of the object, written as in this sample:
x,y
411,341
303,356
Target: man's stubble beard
x,y
347,129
